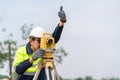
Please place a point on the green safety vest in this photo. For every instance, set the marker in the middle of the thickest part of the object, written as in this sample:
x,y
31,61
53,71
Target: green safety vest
x,y
21,55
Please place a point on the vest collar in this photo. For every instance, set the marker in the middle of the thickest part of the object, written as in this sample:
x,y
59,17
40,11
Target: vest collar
x,y
28,48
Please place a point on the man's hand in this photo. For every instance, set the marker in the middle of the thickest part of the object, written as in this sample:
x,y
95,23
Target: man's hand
x,y
62,15
38,54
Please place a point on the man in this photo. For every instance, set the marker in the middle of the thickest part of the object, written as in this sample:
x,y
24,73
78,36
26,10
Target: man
x,y
27,57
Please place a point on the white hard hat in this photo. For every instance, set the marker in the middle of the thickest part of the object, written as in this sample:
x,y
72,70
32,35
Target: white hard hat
x,y
37,32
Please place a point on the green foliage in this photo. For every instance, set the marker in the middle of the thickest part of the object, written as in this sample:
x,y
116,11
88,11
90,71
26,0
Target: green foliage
x,y
5,47
88,78
79,78
112,78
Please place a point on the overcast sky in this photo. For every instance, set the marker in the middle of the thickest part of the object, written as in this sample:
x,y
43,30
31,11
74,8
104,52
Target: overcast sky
x,y
91,35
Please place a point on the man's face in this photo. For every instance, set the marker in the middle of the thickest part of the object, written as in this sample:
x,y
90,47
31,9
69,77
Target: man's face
x,y
35,43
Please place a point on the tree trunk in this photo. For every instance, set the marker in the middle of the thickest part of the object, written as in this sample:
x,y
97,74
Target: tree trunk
x,y
10,61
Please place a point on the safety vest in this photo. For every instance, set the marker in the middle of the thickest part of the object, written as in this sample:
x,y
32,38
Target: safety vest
x,y
21,55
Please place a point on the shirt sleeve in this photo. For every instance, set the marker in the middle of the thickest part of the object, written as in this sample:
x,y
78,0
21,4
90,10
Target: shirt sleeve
x,y
23,66
20,64
57,33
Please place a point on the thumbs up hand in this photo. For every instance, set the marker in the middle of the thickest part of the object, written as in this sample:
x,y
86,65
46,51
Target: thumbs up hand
x,y
62,15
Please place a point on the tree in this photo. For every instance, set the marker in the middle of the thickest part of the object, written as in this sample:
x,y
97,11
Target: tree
x,y
112,78
11,47
7,50
88,78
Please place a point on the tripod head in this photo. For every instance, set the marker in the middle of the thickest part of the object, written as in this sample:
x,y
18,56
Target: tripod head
x,y
47,43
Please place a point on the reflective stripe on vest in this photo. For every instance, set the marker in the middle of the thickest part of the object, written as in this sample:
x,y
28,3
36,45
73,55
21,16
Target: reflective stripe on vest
x,y
29,73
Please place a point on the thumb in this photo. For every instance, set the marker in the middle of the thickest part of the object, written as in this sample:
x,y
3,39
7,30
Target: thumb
x,y
61,8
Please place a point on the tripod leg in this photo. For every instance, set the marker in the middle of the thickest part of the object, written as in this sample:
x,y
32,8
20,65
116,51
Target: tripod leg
x,y
37,74
50,74
47,74
53,75
56,74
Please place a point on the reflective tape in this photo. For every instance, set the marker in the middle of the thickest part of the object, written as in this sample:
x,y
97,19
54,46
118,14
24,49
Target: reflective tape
x,y
29,73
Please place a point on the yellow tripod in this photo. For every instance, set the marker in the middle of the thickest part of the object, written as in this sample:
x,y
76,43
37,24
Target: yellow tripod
x,y
47,44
